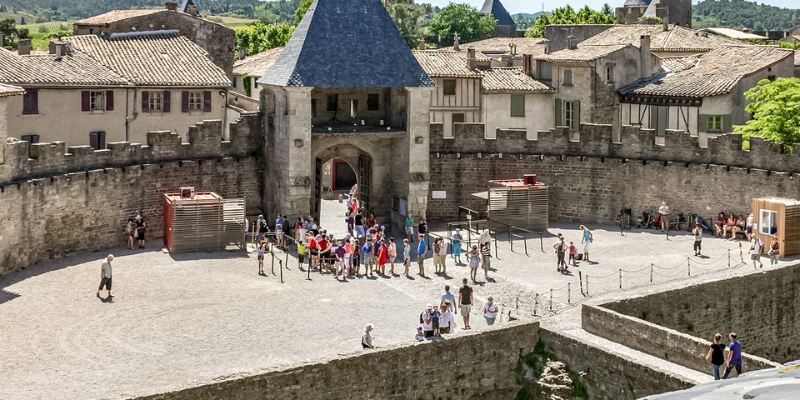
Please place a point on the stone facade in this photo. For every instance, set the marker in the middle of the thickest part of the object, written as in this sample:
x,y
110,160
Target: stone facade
x,y
761,309
59,202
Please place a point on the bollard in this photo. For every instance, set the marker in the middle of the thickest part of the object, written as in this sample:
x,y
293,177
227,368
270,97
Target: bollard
x,y
587,284
286,253
281,264
729,258
569,293
551,299
526,244
620,278
535,303
496,254
580,280
741,255
273,260
689,265
510,239
651,272
308,269
541,241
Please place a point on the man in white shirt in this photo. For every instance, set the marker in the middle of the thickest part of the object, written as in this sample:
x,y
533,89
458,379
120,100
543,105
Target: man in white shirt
x,y
447,322
490,311
664,213
756,247
449,299
427,321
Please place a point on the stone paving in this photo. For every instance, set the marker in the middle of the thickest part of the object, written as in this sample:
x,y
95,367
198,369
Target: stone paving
x,y
180,321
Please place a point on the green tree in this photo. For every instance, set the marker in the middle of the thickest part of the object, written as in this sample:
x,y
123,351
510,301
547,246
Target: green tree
x,y
9,30
260,37
775,107
301,11
461,19
411,19
567,15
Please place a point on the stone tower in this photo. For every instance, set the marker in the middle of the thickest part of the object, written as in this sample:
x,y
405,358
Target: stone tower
x,y
677,12
347,87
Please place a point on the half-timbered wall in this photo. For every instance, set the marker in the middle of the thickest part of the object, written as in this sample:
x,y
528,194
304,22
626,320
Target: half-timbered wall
x,y
466,102
685,118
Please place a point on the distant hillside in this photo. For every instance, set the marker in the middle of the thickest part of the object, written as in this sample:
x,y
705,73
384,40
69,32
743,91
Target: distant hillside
x,y
744,14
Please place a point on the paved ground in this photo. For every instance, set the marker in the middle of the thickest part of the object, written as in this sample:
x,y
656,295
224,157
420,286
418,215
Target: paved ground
x,y
186,320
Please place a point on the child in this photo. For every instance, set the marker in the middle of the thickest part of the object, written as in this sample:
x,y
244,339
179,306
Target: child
x,y
301,253
698,240
406,255
573,252
435,318
262,249
420,335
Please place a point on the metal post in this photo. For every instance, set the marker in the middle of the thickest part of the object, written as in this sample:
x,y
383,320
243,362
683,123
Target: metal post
x,y
620,278
509,231
551,299
651,272
510,239
525,241
496,254
281,262
587,284
535,303
273,259
286,257
729,258
741,255
689,265
569,292
580,280
308,269
469,237
541,241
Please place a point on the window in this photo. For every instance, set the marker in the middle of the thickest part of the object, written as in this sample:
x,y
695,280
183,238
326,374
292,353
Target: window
x,y
569,114
31,138
517,105
195,101
373,102
714,123
313,107
30,102
449,87
545,71
97,101
97,140
610,73
567,77
155,101
333,102
768,223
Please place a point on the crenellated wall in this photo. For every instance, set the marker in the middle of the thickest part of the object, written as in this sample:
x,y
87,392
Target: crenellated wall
x,y
60,201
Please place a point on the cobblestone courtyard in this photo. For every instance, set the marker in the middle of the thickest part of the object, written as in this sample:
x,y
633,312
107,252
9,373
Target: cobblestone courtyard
x,y
186,320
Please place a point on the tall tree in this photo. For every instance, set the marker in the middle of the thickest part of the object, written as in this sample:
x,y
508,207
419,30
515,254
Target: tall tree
x,y
301,11
567,15
260,37
461,19
775,107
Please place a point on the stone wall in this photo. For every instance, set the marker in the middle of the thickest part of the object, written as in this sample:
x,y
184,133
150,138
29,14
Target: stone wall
x,y
467,366
56,203
609,375
658,341
591,179
763,309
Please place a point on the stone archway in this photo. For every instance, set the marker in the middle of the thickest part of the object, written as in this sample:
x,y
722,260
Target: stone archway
x,y
357,158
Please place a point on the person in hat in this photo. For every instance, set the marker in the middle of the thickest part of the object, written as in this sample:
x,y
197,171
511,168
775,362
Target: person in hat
x,y
426,319
366,338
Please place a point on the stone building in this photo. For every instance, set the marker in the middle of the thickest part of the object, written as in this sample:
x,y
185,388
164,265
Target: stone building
x,y
347,86
217,39
247,71
586,79
6,92
677,12
704,95
97,90
506,27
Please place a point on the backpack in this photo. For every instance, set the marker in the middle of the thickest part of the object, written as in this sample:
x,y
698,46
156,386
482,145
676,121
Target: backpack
x,y
420,317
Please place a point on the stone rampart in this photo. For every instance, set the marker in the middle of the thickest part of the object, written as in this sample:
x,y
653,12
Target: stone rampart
x,y
658,341
762,309
54,204
591,180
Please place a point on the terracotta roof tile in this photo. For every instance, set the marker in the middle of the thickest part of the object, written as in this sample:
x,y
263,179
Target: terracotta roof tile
x,y
257,64
677,38
9,90
161,58
501,80
447,63
716,72
115,15
499,45
581,55
75,69
797,58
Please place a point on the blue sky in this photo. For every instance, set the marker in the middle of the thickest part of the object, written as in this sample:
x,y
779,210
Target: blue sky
x,y
530,6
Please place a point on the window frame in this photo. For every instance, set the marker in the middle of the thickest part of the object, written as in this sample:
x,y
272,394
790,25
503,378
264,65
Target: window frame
x,y
569,113
610,73
155,97
545,71
450,84
31,138
97,101
770,222
199,100
332,103
714,123
521,112
100,141
564,80
30,102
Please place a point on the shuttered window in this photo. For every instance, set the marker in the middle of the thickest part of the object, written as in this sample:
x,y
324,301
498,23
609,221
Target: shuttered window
x,y
449,87
32,138
517,105
567,81
97,140
715,123
30,102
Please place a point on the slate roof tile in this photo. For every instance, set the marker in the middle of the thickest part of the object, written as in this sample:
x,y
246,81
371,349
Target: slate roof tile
x,y
495,8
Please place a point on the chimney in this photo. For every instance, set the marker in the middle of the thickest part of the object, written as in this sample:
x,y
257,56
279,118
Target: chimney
x,y
471,60
527,65
644,56
171,5
572,41
664,12
24,47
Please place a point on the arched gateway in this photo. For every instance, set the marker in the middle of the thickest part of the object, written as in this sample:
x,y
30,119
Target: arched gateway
x,y
347,86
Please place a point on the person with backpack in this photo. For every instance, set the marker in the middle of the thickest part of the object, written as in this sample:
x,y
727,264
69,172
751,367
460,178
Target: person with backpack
x,y
426,319
368,250
774,251
756,247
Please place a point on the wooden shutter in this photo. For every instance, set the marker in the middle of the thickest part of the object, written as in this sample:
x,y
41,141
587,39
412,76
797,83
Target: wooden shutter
x,y
110,100
517,105
576,115
166,101
145,101
726,124
85,100
206,101
184,101
30,102
559,114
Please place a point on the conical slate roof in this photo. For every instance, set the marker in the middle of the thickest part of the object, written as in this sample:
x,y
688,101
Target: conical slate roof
x,y
346,44
496,9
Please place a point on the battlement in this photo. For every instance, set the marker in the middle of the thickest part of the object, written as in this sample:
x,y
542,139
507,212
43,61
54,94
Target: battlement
x,y
596,140
25,161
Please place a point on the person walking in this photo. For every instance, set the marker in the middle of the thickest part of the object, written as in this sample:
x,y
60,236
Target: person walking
x,y
734,357
406,255
261,227
447,322
486,259
560,247
465,300
474,261
586,241
573,254
448,298
756,246
422,251
490,311
105,276
366,338
442,254
716,356
129,230
457,239
697,232
664,214
262,250
392,255
774,251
